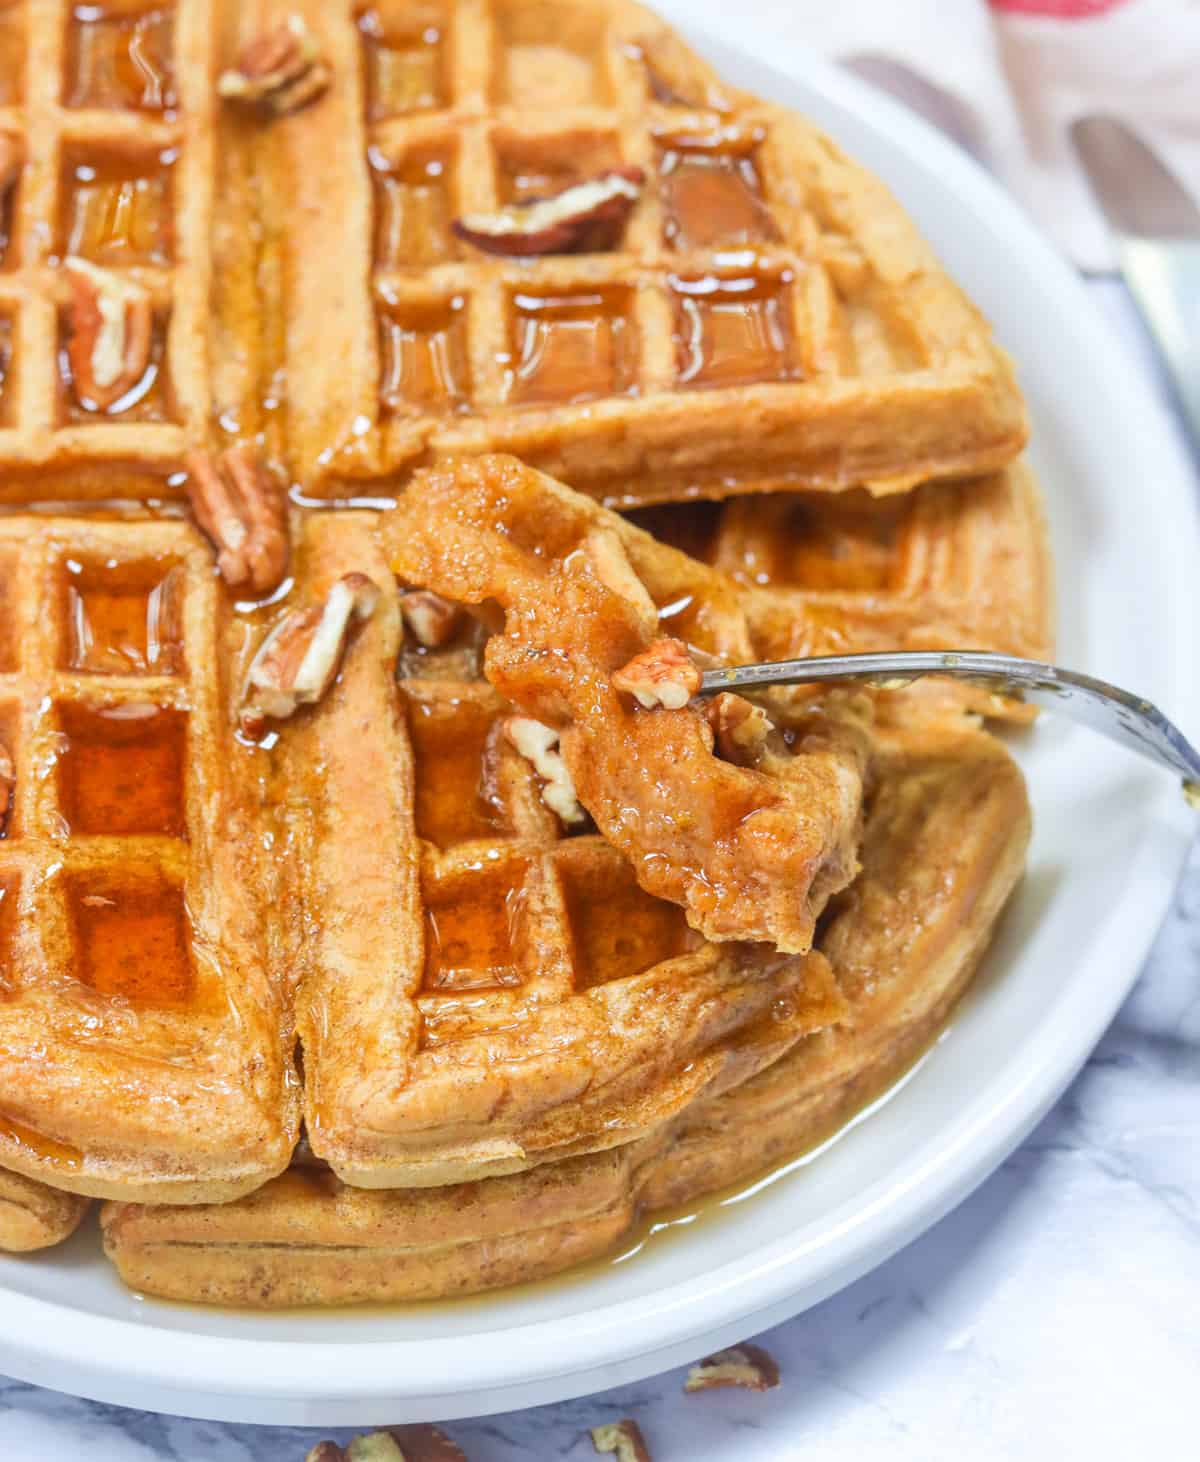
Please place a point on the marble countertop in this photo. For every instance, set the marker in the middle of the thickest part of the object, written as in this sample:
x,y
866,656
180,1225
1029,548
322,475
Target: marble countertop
x,y
1055,1313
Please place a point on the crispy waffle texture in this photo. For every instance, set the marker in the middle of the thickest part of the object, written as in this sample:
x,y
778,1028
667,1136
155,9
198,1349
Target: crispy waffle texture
x,y
768,309
481,992
371,923
502,989
112,111
145,1041
946,836
751,849
34,1216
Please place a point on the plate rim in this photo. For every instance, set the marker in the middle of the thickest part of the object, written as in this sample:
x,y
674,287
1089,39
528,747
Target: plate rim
x,y
246,1378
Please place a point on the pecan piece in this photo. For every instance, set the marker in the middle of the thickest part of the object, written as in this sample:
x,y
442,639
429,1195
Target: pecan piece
x,y
662,675
12,160
243,509
622,1437
279,71
299,660
740,729
8,785
748,1366
432,619
395,1444
538,744
607,556
111,322
583,218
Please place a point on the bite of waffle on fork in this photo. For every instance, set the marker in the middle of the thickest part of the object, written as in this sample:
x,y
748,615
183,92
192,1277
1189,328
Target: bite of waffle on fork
x,y
242,248
750,834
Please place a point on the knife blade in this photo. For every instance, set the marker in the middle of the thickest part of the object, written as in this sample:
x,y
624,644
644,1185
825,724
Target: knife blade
x,y
1156,227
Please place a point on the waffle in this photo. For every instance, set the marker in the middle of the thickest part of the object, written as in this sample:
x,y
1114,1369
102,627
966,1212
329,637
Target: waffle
x,y
762,280
768,312
480,991
133,944
944,844
111,109
33,1216
750,841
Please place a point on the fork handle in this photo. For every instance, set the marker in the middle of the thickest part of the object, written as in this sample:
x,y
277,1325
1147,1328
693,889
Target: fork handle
x,y
1129,720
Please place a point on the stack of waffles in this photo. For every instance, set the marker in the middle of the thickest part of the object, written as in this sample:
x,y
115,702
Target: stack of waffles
x,y
329,994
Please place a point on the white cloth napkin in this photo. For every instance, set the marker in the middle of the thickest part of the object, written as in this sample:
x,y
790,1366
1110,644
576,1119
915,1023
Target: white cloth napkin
x,y
1006,79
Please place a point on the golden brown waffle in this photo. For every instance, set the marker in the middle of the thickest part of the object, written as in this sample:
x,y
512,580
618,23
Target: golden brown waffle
x,y
33,1216
144,1033
944,845
434,1040
750,842
112,109
769,311
949,565
479,991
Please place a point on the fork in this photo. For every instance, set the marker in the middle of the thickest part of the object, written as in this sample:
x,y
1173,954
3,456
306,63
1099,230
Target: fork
x,y
1129,720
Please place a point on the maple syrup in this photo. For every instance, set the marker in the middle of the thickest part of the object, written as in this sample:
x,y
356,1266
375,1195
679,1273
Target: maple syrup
x,y
121,769
733,331
147,400
413,211
9,645
132,936
116,210
10,887
122,619
8,220
6,340
689,527
120,54
570,347
405,60
423,351
449,744
469,927
712,197
617,929
33,1144
12,53
847,544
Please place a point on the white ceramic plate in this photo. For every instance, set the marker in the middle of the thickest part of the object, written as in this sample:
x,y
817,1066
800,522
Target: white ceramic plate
x,y
1110,837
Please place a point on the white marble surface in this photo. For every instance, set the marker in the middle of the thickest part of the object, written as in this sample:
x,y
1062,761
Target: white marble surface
x,y
1054,1315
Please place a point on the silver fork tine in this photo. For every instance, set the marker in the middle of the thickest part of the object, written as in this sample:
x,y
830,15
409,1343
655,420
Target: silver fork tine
x,y
1127,719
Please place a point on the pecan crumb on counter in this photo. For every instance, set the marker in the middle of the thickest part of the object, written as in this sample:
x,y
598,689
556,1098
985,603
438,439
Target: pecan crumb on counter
x,y
421,1443
624,1438
747,1366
